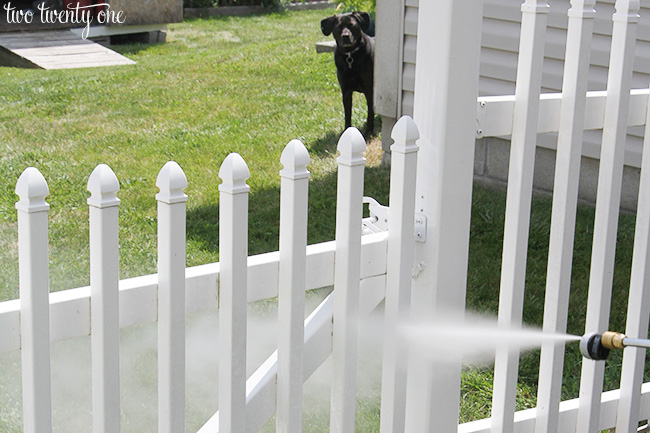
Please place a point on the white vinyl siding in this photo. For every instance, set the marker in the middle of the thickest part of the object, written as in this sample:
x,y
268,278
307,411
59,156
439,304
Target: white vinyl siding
x,y
500,45
410,48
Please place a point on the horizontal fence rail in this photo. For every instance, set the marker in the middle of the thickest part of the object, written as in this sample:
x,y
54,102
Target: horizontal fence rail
x,y
494,114
70,309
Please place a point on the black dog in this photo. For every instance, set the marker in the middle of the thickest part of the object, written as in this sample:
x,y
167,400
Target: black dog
x,y
354,59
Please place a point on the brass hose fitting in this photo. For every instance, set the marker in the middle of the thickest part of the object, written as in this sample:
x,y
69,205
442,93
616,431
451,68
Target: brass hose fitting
x,y
597,346
613,340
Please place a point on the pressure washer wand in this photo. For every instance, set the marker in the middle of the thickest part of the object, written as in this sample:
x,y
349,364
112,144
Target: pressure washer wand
x,y
636,342
597,346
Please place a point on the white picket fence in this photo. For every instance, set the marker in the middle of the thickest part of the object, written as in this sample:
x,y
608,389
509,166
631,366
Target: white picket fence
x,y
355,265
386,262
523,116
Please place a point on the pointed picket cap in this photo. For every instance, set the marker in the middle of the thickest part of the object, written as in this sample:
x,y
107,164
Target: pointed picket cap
x,y
295,159
351,147
405,133
535,6
103,186
582,9
627,11
172,182
234,173
32,189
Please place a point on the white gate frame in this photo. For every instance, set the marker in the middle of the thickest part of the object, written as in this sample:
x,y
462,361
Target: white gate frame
x,y
446,86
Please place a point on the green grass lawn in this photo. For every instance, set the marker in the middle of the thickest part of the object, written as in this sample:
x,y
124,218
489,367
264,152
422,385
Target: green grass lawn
x,y
247,85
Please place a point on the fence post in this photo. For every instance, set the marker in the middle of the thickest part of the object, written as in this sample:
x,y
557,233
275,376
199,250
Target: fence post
x,y
104,284
446,88
233,257
292,275
398,276
32,189
563,219
171,298
608,201
347,273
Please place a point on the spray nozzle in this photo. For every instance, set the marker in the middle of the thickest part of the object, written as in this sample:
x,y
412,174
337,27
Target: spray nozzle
x,y
597,346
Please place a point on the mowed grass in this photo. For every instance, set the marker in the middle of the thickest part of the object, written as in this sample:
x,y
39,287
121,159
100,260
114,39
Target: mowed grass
x,y
486,247
247,85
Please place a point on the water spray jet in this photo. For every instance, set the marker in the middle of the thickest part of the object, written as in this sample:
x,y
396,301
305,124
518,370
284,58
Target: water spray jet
x,y
597,346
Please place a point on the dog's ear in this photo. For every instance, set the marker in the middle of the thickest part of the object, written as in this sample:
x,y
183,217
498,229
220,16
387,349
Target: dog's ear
x,y
363,18
327,25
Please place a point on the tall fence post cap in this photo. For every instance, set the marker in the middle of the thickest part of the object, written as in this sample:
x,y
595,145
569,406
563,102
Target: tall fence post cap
x,y
103,186
582,9
295,159
171,181
234,173
351,147
405,133
32,189
627,11
535,6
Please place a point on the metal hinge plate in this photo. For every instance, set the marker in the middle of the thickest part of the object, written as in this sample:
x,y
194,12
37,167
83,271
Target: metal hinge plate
x,y
420,228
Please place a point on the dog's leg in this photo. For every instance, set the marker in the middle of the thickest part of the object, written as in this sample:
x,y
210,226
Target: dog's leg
x,y
370,122
347,107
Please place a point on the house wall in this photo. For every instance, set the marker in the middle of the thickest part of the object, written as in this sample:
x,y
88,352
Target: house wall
x,y
395,81
501,25
500,44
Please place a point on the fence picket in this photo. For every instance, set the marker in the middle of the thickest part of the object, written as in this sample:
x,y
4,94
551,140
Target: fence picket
x,y
398,275
349,213
291,285
233,256
171,298
104,300
607,203
563,219
517,222
32,189
638,308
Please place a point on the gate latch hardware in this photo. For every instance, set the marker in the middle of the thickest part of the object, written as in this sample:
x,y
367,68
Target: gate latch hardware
x,y
378,220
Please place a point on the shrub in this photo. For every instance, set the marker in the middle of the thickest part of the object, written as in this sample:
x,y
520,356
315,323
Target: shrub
x,y
217,3
199,3
357,5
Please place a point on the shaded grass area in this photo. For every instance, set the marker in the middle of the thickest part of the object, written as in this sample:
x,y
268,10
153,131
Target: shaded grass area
x,y
247,85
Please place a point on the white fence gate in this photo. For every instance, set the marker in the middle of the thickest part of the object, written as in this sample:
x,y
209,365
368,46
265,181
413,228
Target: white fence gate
x,y
356,267
422,273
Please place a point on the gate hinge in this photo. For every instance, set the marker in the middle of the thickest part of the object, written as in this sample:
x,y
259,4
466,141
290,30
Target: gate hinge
x,y
420,227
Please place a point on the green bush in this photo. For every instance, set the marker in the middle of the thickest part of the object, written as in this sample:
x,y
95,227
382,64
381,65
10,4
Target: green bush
x,y
357,5
199,3
217,3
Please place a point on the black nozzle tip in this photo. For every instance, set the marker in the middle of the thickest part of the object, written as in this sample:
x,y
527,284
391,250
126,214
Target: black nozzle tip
x,y
591,347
